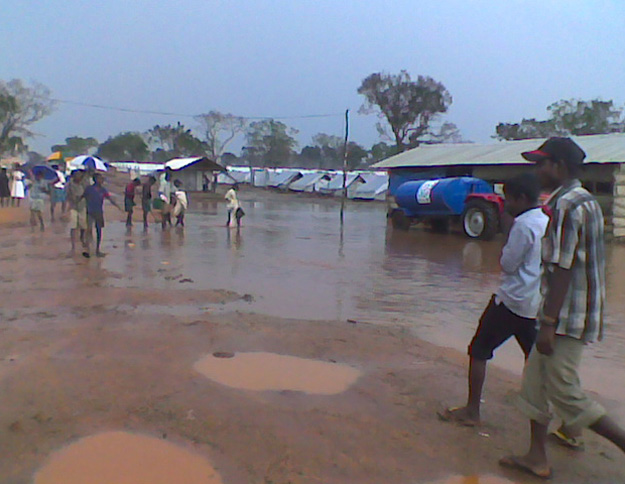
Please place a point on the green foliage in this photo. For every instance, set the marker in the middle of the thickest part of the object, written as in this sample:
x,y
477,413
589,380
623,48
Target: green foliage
x,y
356,154
270,143
219,130
124,147
331,148
20,107
568,118
174,142
76,146
380,151
407,106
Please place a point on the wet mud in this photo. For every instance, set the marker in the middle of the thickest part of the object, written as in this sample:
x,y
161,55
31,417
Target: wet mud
x,y
90,346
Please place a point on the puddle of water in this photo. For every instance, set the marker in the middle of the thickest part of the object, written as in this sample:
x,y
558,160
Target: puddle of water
x,y
475,480
123,458
260,371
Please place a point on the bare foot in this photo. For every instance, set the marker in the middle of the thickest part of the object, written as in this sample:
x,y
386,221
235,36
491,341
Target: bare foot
x,y
100,254
459,415
525,464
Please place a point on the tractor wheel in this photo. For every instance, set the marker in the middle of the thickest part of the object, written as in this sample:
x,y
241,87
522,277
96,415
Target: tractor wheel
x,y
480,220
399,220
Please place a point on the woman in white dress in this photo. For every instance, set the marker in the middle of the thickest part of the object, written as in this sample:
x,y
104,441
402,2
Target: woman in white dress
x,y
17,185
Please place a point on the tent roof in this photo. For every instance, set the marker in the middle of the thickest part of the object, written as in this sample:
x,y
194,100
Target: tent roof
x,y
601,148
306,180
181,163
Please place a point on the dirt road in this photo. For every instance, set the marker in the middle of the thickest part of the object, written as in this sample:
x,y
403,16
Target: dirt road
x,y
92,346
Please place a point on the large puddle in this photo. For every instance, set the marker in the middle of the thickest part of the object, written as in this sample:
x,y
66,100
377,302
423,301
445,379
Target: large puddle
x,y
123,458
269,371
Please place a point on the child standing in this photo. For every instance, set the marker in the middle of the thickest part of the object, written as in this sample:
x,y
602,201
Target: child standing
x,y
36,194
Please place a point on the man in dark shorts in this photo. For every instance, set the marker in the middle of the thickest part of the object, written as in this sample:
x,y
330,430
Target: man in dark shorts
x,y
512,309
129,199
146,199
95,195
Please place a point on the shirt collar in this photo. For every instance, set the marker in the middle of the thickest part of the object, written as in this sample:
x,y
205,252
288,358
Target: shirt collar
x,y
566,187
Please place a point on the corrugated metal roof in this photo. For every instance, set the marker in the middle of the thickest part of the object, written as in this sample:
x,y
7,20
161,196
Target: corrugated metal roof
x,y
601,148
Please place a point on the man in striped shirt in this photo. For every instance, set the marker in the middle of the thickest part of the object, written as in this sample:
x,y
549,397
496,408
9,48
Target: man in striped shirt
x,y
571,314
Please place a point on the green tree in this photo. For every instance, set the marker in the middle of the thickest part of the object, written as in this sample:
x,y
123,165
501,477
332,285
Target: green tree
x,y
174,141
218,131
407,106
75,146
331,147
125,146
380,151
20,107
567,118
356,155
270,143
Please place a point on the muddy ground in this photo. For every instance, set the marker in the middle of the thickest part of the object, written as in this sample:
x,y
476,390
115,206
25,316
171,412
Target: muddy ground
x,y
86,349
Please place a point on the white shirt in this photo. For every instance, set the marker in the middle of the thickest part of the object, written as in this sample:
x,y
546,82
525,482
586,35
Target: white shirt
x,y
521,264
233,201
61,183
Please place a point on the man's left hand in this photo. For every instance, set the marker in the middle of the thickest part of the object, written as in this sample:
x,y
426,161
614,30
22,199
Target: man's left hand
x,y
545,340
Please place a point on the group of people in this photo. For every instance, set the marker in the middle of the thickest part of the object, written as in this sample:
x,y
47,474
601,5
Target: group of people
x,y
171,200
12,186
552,300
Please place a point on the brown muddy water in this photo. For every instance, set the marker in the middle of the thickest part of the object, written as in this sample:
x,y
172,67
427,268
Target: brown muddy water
x,y
269,371
124,458
294,259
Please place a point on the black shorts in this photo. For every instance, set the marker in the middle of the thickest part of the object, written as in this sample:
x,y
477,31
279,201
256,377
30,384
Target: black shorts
x,y
497,324
96,219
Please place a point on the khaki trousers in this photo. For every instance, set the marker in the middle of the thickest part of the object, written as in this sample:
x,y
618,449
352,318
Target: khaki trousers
x,y
554,380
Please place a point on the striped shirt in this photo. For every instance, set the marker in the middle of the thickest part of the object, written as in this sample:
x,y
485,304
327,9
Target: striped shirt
x,y
574,241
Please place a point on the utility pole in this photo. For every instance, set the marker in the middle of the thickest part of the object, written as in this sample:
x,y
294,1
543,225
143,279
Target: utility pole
x,y
345,166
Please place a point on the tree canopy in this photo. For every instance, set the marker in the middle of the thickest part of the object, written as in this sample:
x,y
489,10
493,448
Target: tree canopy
x,y
173,141
125,146
218,131
270,143
567,118
407,106
20,107
75,146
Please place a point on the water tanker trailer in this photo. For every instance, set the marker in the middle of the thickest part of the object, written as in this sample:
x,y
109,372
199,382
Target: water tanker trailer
x,y
470,201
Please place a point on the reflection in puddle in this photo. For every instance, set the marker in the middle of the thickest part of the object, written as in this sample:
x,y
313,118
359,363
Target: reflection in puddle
x,y
269,371
474,480
123,458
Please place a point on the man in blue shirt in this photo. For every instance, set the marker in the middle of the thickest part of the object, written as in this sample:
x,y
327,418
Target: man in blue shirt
x,y
95,195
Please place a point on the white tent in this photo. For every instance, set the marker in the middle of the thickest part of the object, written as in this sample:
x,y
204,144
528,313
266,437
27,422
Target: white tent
x,y
260,177
308,181
282,177
332,184
374,187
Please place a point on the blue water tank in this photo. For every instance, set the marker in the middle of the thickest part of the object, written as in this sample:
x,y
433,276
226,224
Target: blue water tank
x,y
441,197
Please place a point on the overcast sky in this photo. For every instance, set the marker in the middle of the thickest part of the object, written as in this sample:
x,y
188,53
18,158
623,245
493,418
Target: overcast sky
x,y
500,60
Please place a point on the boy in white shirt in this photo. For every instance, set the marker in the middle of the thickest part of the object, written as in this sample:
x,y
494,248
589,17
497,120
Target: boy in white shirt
x,y
513,308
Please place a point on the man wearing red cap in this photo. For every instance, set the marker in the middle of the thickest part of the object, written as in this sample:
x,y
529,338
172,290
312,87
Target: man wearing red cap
x,y
571,314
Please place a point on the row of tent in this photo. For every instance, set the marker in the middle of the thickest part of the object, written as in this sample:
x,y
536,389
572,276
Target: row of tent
x,y
361,185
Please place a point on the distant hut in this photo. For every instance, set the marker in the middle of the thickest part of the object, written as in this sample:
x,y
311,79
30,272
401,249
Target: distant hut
x,y
191,171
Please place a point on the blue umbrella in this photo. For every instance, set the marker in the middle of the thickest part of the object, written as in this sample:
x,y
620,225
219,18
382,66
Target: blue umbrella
x,y
47,172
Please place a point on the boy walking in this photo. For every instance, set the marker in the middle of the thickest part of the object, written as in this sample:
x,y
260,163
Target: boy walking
x,y
513,308
182,203
129,199
146,199
571,312
77,207
95,195
37,193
